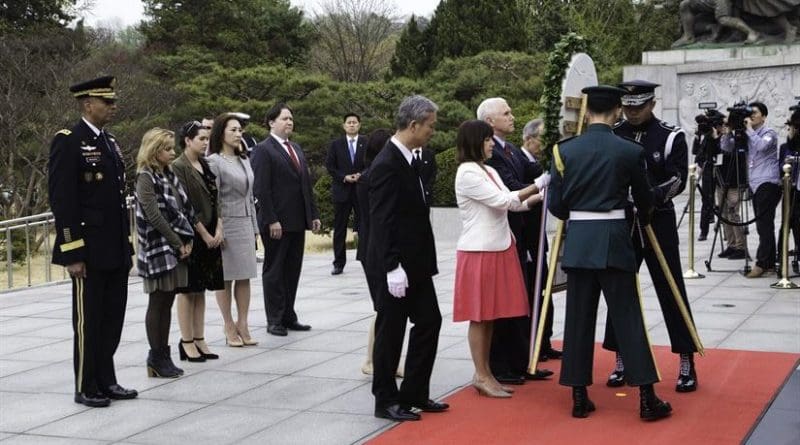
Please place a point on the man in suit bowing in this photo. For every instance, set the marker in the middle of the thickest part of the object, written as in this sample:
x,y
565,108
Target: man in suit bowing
x,y
402,248
286,209
344,162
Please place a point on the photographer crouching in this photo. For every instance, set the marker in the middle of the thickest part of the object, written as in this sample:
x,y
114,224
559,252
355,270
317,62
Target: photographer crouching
x,y
746,131
705,149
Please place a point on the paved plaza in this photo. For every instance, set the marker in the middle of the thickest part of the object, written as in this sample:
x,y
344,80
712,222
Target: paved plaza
x,y
307,388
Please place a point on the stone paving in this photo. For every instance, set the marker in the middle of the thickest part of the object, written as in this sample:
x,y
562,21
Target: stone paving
x,y
307,388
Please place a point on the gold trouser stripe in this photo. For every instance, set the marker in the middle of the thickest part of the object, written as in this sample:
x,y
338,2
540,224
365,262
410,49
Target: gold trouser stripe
x,y
80,330
644,324
77,244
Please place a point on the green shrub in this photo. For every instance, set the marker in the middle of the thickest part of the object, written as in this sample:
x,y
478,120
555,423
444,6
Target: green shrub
x,y
324,197
444,193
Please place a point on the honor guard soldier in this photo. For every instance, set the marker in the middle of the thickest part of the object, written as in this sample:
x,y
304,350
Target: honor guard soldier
x,y
667,159
86,183
591,178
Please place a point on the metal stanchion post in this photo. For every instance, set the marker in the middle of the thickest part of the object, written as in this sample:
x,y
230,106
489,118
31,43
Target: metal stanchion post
x,y
785,282
690,272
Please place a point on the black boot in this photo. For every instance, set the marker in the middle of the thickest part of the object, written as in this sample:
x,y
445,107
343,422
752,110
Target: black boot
x,y
687,377
157,365
170,363
650,406
581,405
617,377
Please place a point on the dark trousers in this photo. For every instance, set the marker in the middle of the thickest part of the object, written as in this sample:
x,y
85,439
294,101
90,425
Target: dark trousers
x,y
666,232
794,231
98,312
420,306
625,312
511,336
340,218
707,196
765,201
280,274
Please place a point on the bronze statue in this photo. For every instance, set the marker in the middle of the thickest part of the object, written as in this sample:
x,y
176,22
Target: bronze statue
x,y
743,16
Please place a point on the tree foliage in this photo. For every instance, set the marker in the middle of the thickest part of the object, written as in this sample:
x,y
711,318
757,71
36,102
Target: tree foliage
x,y
412,53
354,39
240,33
22,16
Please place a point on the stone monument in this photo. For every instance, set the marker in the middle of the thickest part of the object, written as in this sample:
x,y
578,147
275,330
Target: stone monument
x,y
770,74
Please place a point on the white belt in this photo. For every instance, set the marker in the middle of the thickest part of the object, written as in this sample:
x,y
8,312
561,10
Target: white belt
x,y
580,215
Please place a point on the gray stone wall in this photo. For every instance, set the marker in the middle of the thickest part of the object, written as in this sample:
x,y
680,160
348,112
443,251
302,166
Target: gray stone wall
x,y
770,74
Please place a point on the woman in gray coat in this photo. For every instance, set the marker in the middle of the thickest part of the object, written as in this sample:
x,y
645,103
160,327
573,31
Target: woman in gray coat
x,y
230,165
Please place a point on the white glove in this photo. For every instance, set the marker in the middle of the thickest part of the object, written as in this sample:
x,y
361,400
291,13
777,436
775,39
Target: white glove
x,y
542,181
397,282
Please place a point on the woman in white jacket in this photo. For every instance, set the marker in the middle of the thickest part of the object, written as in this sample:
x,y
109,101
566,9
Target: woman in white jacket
x,y
489,283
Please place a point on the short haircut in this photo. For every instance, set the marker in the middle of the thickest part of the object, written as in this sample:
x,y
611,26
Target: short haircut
x,y
532,129
470,139
358,118
153,141
275,111
189,130
375,143
761,107
413,109
217,137
602,105
489,107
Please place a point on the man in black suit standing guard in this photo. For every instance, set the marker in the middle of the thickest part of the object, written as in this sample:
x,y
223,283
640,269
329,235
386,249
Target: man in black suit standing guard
x,y
344,162
286,209
402,249
86,185
592,176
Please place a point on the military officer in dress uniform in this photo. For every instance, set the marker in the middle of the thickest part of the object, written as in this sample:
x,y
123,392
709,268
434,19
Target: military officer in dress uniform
x,y
667,163
591,177
86,183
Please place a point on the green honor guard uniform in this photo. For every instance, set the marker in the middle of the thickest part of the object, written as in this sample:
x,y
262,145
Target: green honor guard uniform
x,y
592,176
86,183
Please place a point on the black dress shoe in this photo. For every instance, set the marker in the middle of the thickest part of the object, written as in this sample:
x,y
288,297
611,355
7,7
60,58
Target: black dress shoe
x,y
736,254
654,409
337,270
116,392
725,253
510,378
298,327
702,237
581,405
551,353
616,379
276,329
428,406
396,412
92,400
540,374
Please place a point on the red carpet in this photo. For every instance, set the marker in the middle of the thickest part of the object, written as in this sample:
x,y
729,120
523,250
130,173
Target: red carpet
x,y
734,388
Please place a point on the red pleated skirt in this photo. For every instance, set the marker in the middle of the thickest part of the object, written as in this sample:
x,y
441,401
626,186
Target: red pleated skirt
x,y
489,285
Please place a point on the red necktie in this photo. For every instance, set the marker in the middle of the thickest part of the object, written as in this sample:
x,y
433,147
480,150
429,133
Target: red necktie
x,y
292,155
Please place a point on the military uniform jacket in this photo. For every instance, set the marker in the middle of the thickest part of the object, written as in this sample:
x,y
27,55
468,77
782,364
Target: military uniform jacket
x,y
86,189
667,156
598,171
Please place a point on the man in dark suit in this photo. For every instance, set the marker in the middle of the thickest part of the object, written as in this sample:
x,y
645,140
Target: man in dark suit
x,y
508,356
344,162
401,248
592,176
427,171
86,185
286,209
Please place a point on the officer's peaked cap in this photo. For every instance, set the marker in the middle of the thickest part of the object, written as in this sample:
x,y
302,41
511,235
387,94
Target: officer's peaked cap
x,y
102,87
638,92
